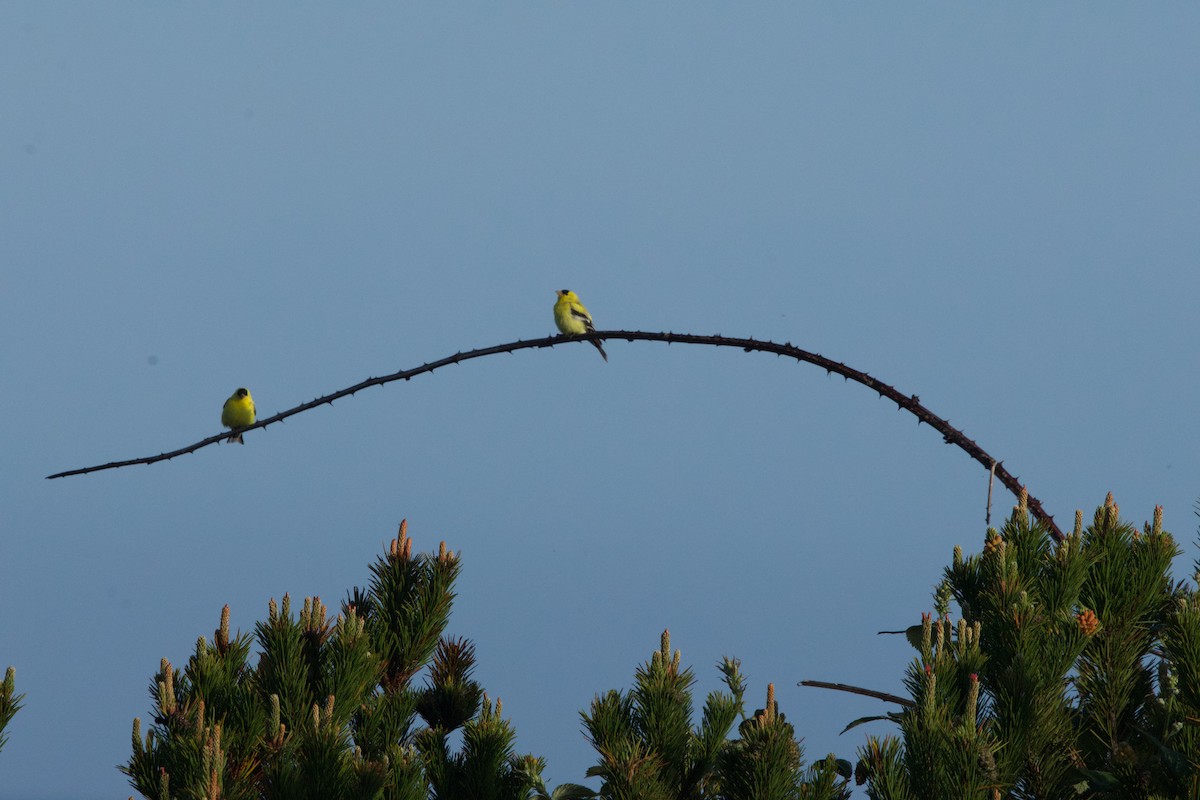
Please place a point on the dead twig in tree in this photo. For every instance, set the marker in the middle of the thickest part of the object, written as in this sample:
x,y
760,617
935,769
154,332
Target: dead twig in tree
x,y
845,687
987,520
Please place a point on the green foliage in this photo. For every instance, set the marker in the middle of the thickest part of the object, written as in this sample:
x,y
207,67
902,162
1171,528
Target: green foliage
x,y
330,711
649,749
485,769
408,603
1073,673
10,702
946,750
451,697
531,769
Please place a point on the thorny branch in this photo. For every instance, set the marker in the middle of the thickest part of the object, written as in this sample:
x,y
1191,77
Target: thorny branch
x,y
909,403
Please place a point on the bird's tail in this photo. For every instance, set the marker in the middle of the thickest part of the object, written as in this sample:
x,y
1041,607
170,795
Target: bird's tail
x,y
600,347
237,437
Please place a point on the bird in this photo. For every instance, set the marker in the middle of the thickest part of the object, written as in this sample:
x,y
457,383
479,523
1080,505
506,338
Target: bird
x,y
238,413
573,319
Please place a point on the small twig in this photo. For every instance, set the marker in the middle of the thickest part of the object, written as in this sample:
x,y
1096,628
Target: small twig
x,y
909,403
842,687
988,520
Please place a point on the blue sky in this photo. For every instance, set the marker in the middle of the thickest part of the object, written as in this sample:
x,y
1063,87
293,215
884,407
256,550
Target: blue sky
x,y
994,207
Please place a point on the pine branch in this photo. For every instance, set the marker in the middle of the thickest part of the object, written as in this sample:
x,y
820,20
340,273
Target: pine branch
x,y
909,403
844,687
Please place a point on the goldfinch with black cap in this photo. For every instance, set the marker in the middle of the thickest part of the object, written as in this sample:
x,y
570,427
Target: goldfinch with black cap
x,y
572,318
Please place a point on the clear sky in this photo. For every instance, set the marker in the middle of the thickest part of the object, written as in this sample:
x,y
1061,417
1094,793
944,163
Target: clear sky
x,y
994,206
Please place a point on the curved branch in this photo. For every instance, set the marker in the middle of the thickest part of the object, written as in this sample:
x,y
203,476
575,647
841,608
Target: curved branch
x,y
845,687
909,403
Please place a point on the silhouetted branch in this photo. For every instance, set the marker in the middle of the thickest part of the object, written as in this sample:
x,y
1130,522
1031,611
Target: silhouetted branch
x,y
843,687
911,404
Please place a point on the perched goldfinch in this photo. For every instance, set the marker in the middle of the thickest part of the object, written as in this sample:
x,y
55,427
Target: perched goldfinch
x,y
572,318
238,413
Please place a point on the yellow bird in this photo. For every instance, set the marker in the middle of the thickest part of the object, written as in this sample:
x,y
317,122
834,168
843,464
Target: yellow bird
x,y
572,318
238,413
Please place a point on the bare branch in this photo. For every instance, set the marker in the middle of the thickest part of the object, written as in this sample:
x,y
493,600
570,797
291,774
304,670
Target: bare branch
x,y
844,687
909,403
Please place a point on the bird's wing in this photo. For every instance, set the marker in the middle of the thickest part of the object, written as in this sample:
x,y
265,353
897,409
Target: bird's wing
x,y
581,314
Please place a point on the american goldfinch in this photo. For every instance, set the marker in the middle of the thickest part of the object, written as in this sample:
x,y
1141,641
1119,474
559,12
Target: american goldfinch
x,y
572,318
238,413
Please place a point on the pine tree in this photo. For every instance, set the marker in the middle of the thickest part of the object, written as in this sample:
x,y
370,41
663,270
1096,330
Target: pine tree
x,y
330,710
649,749
1074,672
10,702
